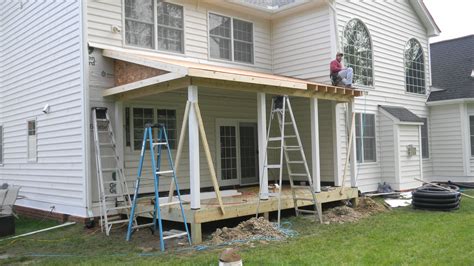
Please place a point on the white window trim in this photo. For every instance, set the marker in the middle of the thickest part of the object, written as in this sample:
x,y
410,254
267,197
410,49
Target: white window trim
x,y
469,129
363,162
231,40
35,159
155,120
155,32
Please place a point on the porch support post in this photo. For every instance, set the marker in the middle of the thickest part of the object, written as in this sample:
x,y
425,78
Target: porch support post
x,y
353,160
262,139
194,170
336,145
119,129
315,158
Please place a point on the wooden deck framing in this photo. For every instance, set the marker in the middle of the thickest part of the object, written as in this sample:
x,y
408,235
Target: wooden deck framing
x,y
241,205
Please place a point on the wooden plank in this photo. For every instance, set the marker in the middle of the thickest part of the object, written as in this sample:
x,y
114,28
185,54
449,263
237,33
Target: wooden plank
x,y
140,84
202,73
180,148
349,148
155,89
196,233
207,151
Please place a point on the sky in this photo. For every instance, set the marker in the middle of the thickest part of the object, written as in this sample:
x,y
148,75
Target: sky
x,y
455,18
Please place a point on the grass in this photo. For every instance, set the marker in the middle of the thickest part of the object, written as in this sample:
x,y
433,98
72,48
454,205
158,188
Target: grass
x,y
402,236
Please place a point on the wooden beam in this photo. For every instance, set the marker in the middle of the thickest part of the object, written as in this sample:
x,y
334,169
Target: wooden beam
x,y
140,84
269,81
207,151
155,89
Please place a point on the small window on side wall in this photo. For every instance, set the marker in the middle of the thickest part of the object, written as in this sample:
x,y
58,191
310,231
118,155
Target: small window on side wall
x,y
31,140
365,138
471,125
167,117
425,152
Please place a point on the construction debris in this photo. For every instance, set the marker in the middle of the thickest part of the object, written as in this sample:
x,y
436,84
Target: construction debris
x,y
252,229
344,214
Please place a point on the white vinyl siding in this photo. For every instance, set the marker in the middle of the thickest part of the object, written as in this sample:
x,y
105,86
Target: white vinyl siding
x,y
409,165
230,39
31,126
102,15
386,134
41,63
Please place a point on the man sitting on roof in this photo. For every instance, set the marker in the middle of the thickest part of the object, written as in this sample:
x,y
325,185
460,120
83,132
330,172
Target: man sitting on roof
x,y
338,72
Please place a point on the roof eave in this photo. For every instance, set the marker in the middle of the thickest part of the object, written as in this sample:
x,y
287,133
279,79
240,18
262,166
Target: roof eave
x,y
425,16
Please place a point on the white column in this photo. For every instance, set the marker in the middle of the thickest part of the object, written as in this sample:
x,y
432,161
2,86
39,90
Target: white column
x,y
315,159
336,145
262,140
194,170
353,158
119,129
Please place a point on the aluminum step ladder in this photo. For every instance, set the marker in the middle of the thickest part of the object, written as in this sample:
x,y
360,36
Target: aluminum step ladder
x,y
156,154
289,148
114,197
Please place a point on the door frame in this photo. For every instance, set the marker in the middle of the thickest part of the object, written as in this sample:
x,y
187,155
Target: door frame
x,y
236,123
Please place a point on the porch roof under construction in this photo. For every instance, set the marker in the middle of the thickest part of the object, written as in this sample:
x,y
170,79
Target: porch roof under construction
x,y
179,74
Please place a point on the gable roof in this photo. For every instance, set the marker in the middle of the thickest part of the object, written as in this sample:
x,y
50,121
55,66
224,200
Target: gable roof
x,y
452,65
401,114
425,17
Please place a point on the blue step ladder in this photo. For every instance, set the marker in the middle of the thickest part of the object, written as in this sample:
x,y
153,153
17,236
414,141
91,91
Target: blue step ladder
x,y
156,153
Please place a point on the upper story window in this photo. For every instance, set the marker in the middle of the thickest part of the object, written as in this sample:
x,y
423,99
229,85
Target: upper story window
x,y
230,39
166,32
414,67
358,52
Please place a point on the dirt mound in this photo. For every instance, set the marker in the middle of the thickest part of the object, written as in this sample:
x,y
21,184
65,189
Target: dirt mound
x,y
343,214
254,228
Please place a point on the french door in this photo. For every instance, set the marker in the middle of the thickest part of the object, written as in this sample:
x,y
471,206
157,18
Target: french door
x,y
237,159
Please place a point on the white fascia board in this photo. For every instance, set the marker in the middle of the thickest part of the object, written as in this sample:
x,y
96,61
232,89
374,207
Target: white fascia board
x,y
453,101
425,17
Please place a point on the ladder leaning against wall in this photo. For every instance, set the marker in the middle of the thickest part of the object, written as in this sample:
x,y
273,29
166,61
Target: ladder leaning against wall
x,y
114,197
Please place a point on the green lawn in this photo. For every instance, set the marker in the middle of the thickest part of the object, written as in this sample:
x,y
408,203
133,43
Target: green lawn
x,y
402,236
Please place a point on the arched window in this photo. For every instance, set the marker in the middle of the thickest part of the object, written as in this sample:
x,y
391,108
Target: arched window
x,y
414,67
358,52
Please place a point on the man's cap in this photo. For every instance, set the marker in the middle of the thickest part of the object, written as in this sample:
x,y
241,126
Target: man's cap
x,y
339,53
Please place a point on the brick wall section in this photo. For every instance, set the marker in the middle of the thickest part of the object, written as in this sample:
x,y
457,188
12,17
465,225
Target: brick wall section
x,y
125,72
40,214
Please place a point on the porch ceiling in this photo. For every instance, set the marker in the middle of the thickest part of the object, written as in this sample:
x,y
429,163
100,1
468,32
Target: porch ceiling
x,y
182,73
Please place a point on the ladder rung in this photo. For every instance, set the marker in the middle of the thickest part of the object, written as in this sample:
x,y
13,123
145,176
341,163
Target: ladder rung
x,y
106,145
298,174
273,148
102,120
118,208
175,235
159,143
288,123
114,195
274,139
109,169
290,136
292,148
294,162
108,156
118,221
104,131
169,203
273,166
111,182
165,172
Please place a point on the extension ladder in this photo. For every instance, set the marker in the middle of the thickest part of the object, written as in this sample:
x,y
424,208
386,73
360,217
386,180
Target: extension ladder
x,y
112,186
291,150
156,159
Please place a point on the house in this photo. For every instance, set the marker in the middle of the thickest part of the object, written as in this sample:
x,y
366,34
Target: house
x,y
143,59
451,109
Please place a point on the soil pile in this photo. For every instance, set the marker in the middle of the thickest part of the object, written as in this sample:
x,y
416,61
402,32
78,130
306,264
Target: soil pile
x,y
344,214
255,228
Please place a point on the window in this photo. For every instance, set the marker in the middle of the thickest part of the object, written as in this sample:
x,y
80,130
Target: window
x,y
32,140
424,139
141,116
141,29
471,123
168,118
358,52
414,67
1,144
365,137
227,34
